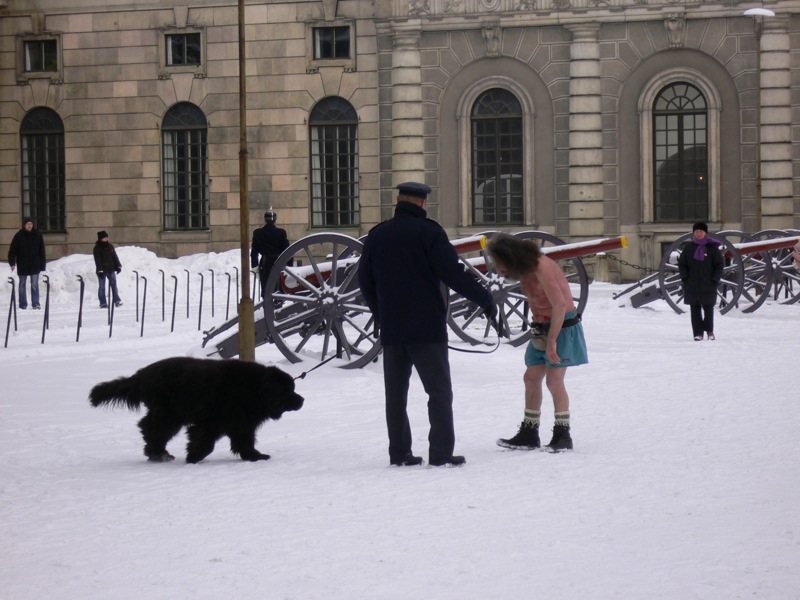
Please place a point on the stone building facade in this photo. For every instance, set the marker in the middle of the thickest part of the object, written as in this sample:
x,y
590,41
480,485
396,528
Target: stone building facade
x,y
579,118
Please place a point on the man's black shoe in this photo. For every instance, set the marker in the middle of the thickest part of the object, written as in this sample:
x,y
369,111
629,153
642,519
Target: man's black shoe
x,y
409,460
562,440
527,438
104,306
447,461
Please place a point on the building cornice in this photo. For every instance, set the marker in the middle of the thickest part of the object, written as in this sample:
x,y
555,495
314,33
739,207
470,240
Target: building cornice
x,y
444,14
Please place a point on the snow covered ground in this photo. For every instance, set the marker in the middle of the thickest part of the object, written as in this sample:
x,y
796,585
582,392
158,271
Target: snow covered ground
x,y
684,482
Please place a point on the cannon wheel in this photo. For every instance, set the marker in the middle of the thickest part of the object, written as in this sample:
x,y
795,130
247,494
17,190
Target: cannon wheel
x,y
786,278
467,320
758,272
318,312
669,279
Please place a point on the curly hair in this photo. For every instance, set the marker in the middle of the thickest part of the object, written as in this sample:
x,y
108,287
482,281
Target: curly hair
x,y
517,256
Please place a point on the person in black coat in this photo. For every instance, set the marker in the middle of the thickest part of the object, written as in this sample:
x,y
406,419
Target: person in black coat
x,y
700,265
27,255
404,263
107,266
268,241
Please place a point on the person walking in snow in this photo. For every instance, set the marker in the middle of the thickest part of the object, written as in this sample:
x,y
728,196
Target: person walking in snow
x,y
403,265
700,265
107,266
27,255
557,341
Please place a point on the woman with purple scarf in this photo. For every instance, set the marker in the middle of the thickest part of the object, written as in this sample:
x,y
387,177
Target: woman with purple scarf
x,y
700,265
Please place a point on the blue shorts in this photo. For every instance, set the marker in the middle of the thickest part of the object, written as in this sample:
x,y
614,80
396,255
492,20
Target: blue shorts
x,y
571,348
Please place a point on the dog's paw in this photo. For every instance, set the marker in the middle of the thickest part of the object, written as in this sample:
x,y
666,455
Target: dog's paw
x,y
254,456
163,457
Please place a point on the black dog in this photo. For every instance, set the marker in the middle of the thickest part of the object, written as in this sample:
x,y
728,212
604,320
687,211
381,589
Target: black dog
x,y
211,398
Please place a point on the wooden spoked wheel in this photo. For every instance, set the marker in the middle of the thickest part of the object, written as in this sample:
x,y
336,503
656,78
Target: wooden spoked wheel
x,y
317,311
786,276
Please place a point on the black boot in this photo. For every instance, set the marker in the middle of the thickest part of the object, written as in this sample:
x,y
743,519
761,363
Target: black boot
x,y
409,460
446,461
527,438
562,440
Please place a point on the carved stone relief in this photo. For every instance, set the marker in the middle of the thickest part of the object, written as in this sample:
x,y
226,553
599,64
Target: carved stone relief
x,y
419,7
676,30
493,38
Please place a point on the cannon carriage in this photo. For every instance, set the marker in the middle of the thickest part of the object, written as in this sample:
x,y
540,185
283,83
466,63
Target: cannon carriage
x,y
757,267
317,311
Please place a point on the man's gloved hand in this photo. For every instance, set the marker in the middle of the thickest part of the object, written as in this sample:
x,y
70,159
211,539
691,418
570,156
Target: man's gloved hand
x,y
119,270
490,313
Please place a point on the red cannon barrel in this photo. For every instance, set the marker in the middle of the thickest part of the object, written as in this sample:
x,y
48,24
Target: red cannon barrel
x,y
475,243
766,245
579,249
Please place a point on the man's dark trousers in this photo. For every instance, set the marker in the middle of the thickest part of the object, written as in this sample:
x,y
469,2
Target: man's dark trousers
x,y
433,367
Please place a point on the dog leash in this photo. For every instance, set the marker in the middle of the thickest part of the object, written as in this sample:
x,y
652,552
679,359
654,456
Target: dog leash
x,y
495,324
498,327
303,375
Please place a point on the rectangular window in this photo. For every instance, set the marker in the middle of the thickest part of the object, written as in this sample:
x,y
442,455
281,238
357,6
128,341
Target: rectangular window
x,y
43,180
183,49
334,176
680,161
331,42
41,56
185,180
497,172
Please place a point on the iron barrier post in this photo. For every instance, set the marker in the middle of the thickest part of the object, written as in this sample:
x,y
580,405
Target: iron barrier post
x,y
137,294
228,301
80,309
46,321
212,293
162,294
144,302
12,307
187,292
174,301
200,308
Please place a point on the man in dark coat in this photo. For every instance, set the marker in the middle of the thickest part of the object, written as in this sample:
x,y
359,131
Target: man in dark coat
x,y
700,265
107,266
402,268
268,241
26,254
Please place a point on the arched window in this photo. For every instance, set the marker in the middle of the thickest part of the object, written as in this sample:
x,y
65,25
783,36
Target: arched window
x,y
680,154
43,181
185,168
333,125
497,159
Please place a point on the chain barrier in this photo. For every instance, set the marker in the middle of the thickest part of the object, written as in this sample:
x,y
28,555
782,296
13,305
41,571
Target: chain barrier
x,y
622,262
627,264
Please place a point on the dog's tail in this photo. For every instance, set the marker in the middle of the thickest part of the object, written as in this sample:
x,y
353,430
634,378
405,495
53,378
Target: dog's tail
x,y
120,392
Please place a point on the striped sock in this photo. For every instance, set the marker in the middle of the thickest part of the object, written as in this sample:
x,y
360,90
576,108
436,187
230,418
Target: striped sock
x,y
532,417
562,418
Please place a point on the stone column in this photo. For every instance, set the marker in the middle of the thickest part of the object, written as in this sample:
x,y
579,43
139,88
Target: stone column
x,y
585,136
776,125
408,163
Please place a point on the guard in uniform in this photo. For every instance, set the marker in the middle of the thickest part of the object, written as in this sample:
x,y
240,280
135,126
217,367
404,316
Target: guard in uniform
x,y
268,242
405,261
